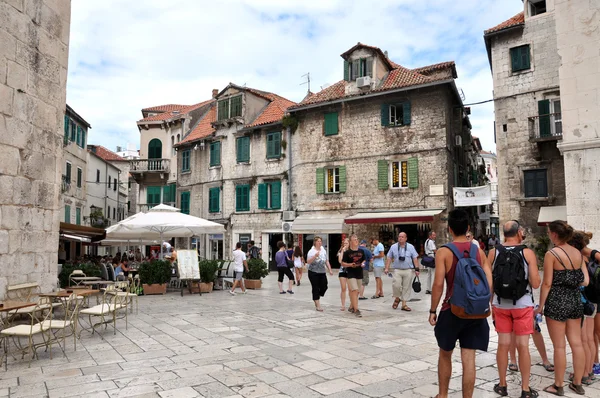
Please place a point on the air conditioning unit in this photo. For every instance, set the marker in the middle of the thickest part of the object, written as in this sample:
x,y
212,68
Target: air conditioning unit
x,y
364,81
289,215
458,140
286,227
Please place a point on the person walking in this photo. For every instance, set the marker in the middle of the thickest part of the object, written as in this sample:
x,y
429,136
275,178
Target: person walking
x,y
298,260
253,251
560,301
317,266
352,261
515,275
473,334
378,267
289,257
428,261
402,257
342,275
365,266
283,269
239,263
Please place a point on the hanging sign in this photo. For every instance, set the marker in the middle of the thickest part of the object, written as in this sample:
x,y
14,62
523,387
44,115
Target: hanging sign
x,y
472,196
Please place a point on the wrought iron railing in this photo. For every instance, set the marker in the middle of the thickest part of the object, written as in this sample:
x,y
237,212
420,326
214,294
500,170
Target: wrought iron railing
x,y
545,126
65,183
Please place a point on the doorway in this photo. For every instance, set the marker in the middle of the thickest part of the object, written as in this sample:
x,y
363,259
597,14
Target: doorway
x,y
273,239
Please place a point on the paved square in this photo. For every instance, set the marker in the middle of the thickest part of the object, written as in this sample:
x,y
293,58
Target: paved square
x,y
261,344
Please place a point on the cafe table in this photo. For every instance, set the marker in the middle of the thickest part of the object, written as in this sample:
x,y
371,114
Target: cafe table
x,y
85,293
79,279
9,305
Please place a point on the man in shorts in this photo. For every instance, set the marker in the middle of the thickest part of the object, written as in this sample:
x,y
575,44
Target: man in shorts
x,y
515,317
352,260
473,334
239,262
402,257
365,267
378,266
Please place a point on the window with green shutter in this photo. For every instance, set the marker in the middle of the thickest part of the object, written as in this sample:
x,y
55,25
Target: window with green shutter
x,y
544,118
236,106
215,153
331,180
346,71
78,215
320,180
185,202
67,214
83,134
243,149
242,197
73,131
413,173
398,114
214,200
274,145
153,196
520,58
185,160
68,173
66,126
269,195
170,193
330,124
79,177
382,174
78,139
155,149
535,183
223,109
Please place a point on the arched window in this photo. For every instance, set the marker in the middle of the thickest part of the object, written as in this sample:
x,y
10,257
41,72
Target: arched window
x,y
178,139
155,149
173,145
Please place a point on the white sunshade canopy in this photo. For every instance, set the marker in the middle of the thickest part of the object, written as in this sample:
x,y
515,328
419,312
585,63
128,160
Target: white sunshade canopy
x,y
552,213
319,224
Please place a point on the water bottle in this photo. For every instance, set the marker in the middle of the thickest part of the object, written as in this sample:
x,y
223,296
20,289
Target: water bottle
x,y
538,318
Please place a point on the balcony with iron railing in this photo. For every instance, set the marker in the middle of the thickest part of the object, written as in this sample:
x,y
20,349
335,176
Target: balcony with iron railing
x,y
544,128
65,184
150,171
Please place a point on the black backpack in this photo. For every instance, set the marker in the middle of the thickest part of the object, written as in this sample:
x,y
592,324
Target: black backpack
x,y
508,275
592,290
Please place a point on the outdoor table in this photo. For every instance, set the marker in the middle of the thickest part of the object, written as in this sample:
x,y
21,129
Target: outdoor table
x,y
85,293
79,279
10,305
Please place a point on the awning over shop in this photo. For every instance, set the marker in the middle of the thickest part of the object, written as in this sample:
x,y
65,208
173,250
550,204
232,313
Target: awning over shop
x,y
394,216
74,238
79,232
552,213
319,224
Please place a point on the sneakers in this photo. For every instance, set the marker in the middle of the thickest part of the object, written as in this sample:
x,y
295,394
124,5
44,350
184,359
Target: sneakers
x,y
281,292
363,298
290,292
232,293
597,368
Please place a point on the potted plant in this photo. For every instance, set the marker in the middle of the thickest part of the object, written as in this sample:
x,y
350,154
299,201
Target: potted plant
x,y
208,274
257,269
89,269
154,276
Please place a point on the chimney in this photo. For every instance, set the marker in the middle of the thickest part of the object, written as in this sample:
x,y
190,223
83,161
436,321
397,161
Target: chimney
x,y
385,53
215,92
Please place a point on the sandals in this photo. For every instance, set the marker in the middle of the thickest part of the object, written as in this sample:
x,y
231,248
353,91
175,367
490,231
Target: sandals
x,y
529,394
501,390
577,388
358,314
587,380
513,367
351,310
406,308
559,391
396,303
319,309
549,367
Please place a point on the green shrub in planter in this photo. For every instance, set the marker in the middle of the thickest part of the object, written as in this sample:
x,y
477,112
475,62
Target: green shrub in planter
x,y
89,269
208,270
155,272
257,269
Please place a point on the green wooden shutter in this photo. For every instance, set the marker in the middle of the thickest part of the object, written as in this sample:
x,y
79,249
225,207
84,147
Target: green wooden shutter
x,y
68,173
223,109
66,126
155,149
185,202
262,196
67,214
83,134
383,170
529,183
242,198
153,196
73,130
79,177
369,62
355,69
215,153
515,59
541,184
342,170
214,200
331,123
243,149
346,71
78,139
413,173
406,113
544,118
385,115
236,106
525,61
78,215
274,145
276,195
320,180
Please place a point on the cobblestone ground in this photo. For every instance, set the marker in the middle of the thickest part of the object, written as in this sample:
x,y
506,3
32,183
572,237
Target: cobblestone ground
x,y
259,345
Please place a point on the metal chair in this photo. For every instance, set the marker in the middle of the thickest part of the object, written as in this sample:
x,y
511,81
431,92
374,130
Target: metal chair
x,y
71,305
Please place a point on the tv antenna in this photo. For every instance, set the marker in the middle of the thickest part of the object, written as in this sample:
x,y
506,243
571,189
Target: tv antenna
x,y
462,94
307,82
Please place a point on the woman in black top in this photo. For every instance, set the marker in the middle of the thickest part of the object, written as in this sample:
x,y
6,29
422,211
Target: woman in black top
x,y
342,275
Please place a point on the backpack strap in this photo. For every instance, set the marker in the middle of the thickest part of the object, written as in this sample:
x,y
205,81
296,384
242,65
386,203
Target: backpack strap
x,y
593,255
454,250
474,250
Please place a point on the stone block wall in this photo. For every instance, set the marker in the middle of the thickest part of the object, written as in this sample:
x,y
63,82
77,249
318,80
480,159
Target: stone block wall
x,y
34,41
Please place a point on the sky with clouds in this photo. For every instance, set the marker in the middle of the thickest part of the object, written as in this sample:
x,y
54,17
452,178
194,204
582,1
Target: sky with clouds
x,y
127,55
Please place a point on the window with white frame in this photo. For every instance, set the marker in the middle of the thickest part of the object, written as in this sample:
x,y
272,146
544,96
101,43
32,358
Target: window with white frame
x,y
399,174
555,117
332,181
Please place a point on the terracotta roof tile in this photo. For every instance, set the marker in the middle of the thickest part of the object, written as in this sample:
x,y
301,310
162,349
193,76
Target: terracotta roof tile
x,y
332,92
164,108
426,70
273,112
518,19
204,127
173,113
105,154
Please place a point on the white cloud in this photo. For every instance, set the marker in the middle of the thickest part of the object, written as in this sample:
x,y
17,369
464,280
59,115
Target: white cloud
x,y
126,55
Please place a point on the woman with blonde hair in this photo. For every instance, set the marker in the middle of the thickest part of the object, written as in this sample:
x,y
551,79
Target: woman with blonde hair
x,y
560,300
342,275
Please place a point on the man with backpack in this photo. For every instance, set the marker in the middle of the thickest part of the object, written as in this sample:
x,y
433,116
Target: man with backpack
x,y
514,276
466,306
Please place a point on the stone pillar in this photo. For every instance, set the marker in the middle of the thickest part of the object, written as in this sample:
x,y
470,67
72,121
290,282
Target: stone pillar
x,y
578,36
34,43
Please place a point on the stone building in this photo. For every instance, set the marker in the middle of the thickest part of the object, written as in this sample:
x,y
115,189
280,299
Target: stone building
x,y
578,41
527,101
73,187
233,166
379,152
34,47
491,215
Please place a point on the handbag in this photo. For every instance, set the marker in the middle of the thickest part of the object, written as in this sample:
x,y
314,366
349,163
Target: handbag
x,y
416,285
427,261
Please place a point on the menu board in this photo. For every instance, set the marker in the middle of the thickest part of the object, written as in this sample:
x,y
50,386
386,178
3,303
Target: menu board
x,y
187,263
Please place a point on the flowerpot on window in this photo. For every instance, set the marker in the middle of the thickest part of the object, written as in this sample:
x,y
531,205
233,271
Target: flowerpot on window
x,y
155,288
253,283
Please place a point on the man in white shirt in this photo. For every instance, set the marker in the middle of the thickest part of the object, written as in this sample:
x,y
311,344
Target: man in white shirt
x,y
378,266
430,250
239,262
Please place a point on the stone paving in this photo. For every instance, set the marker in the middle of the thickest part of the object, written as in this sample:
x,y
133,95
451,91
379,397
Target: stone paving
x,y
259,345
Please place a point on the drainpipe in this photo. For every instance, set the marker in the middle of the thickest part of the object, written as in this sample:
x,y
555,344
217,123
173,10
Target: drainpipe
x,y
289,146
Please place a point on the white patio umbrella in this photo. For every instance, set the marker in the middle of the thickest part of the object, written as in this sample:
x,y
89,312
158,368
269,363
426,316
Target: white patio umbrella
x,y
167,221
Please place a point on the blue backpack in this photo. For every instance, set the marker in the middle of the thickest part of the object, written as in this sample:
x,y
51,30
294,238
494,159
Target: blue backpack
x,y
471,295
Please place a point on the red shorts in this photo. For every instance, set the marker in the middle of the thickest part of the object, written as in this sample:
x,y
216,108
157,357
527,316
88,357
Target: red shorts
x,y
519,320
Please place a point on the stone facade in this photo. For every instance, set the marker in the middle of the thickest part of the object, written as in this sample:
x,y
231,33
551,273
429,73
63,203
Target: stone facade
x,y
522,145
74,174
34,43
491,174
578,38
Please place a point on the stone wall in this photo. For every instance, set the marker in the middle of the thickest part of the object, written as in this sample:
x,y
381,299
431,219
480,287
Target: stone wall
x,y
578,37
34,43
516,100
